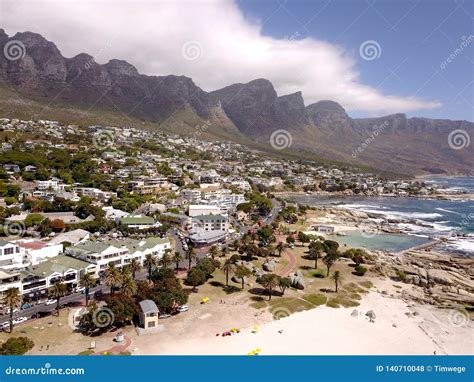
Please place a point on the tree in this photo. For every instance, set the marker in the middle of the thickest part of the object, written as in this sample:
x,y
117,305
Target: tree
x,y
177,258
165,260
87,281
213,251
12,298
337,278
134,267
112,277
58,290
269,281
242,272
190,255
279,248
316,249
128,286
195,277
57,225
329,260
283,284
208,266
290,240
303,238
227,268
331,246
123,308
16,346
150,264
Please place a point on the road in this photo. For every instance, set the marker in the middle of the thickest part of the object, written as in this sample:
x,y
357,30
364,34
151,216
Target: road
x,y
42,308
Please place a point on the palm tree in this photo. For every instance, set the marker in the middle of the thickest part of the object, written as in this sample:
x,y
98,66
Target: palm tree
x,y
112,277
213,252
177,258
190,255
87,281
280,247
337,278
166,260
12,298
329,260
128,286
269,281
228,268
58,290
315,251
149,263
135,267
242,272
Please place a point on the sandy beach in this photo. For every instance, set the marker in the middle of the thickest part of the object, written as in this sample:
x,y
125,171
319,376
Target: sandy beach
x,y
399,328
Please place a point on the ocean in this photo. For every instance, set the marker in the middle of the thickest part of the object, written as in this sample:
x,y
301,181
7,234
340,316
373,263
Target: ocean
x,y
420,218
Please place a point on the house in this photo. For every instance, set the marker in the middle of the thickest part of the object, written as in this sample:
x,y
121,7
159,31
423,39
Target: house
x,y
119,252
148,314
37,251
211,222
71,238
203,209
9,280
45,274
322,228
11,255
139,222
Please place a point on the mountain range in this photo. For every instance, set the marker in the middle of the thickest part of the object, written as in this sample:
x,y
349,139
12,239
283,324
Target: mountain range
x,y
252,112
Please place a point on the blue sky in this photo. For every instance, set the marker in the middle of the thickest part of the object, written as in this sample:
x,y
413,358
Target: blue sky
x,y
415,37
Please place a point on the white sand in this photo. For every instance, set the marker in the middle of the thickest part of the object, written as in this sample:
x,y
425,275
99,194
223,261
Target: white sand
x,y
334,331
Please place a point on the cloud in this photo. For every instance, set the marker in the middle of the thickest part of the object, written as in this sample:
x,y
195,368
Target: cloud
x,y
208,40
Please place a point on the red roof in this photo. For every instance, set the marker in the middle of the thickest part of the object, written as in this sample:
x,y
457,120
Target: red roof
x,y
32,244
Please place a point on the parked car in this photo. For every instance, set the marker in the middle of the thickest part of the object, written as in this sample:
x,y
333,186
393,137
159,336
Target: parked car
x,y
80,290
50,302
183,308
26,306
19,320
5,325
161,316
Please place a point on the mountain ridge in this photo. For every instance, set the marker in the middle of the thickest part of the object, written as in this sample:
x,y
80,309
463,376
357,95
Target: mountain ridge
x,y
252,109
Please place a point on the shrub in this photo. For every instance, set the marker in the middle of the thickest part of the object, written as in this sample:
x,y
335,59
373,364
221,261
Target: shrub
x,y
360,270
16,346
400,274
319,273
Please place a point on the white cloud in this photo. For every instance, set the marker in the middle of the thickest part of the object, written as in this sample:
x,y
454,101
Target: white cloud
x,y
152,35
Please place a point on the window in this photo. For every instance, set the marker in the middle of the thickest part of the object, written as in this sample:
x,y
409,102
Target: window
x,y
8,251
